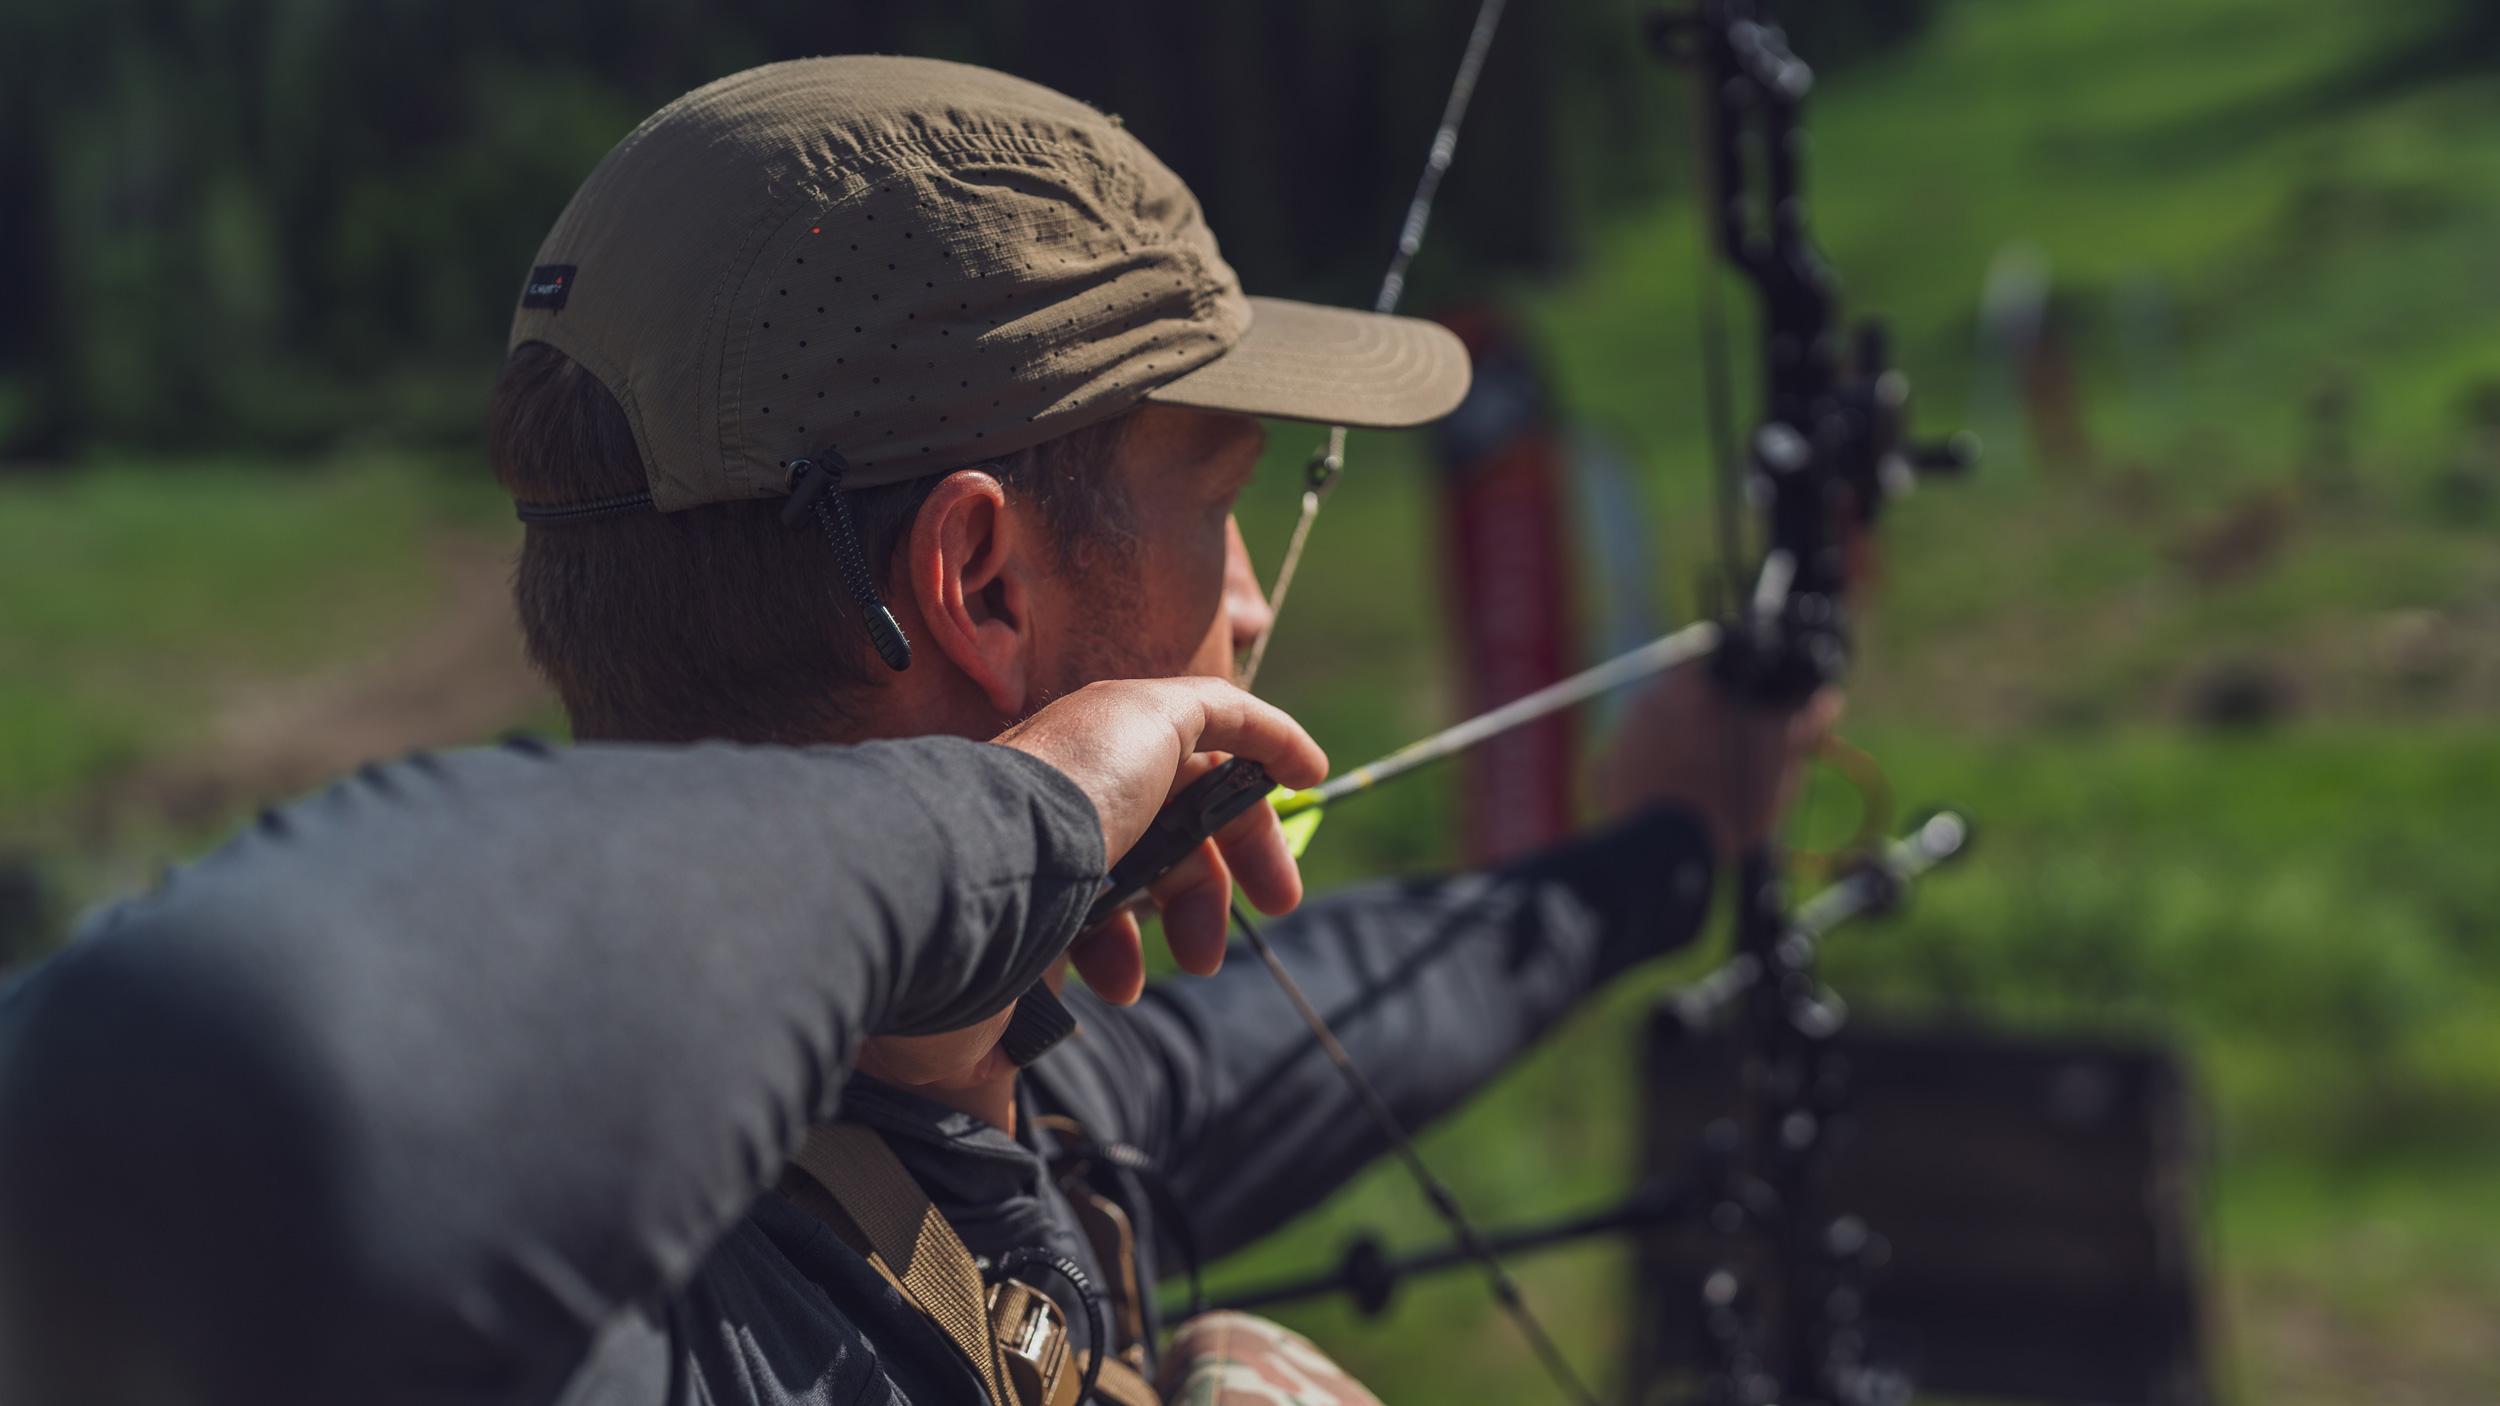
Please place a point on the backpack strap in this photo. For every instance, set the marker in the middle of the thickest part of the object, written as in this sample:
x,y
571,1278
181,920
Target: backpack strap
x,y
908,1242
1114,1243
1123,1383
1107,1224
1012,1335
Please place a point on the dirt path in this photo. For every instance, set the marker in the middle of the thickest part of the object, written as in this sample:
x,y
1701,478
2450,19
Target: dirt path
x,y
452,674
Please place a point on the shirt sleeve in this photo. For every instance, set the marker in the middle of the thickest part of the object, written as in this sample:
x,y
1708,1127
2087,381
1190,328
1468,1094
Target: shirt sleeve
x,y
1434,986
408,1090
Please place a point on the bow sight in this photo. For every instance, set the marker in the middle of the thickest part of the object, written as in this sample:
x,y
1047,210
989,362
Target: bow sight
x,y
1831,446
1829,450
1778,1310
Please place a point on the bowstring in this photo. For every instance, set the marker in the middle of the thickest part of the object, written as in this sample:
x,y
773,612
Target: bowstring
x,y
1436,1192
1320,474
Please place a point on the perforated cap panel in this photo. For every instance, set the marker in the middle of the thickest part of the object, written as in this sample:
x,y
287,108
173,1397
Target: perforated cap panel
x,y
920,265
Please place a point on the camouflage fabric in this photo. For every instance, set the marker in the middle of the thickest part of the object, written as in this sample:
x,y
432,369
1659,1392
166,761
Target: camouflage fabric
x,y
1234,1359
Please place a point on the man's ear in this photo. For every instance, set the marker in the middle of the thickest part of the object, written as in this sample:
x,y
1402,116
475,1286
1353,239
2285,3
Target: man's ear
x,y
967,569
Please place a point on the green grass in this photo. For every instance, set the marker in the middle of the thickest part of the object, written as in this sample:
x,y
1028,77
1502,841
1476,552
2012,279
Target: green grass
x,y
2298,913
2298,907
2188,149
2306,909
135,593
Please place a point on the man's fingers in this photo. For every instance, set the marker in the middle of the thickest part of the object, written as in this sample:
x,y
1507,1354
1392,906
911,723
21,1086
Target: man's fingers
x,y
1821,714
1191,768
1262,864
1193,869
1111,956
1129,743
1194,889
1230,720
1197,900
1197,946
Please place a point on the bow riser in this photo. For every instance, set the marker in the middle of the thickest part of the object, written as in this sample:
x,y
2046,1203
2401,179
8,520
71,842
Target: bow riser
x,y
1825,456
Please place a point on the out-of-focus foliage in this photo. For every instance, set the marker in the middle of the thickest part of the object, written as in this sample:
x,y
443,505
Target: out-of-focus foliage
x,y
2217,686
277,222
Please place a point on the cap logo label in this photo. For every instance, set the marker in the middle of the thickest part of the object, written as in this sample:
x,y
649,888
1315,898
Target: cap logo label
x,y
549,286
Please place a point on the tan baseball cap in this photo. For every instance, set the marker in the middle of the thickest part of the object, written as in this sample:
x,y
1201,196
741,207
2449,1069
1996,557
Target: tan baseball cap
x,y
916,265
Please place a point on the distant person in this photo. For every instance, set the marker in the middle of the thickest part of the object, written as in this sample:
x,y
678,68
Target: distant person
x,y
849,399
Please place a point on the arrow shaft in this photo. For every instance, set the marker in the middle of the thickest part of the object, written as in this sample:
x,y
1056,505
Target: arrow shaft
x,y
1659,655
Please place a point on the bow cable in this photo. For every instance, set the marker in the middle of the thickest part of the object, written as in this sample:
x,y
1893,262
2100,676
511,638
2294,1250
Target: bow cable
x,y
1470,1240
1320,474
1831,442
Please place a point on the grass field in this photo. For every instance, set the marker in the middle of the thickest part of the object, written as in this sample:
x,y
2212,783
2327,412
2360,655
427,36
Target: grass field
x,y
2241,202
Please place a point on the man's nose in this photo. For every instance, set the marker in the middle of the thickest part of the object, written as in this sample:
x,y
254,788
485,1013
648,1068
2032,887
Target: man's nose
x,y
1245,605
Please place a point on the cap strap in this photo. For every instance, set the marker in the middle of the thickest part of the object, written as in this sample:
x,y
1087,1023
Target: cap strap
x,y
555,514
816,486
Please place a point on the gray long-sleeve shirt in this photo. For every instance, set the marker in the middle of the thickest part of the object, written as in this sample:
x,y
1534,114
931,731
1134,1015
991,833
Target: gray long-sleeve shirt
x,y
469,1078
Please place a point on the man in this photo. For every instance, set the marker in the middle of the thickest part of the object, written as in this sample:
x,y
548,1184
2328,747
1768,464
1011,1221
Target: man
x,y
333,1115
879,398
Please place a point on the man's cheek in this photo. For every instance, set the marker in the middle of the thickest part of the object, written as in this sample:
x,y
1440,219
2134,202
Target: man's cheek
x,y
1211,622
1216,658
1180,609
1209,637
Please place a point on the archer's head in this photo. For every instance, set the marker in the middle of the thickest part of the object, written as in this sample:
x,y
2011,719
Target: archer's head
x,y
995,314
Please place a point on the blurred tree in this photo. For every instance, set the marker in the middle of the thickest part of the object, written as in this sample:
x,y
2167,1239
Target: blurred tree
x,y
275,222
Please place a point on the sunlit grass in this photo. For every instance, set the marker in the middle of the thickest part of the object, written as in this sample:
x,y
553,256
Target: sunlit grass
x,y
2306,909
129,593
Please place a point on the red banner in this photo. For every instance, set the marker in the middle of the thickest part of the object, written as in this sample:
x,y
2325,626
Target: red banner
x,y
1508,565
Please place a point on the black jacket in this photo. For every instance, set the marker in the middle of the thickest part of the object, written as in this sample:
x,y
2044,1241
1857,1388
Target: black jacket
x,y
468,1078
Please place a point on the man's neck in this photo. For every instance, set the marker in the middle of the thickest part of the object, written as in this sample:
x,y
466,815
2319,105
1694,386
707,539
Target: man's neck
x,y
932,709
993,1102
990,1096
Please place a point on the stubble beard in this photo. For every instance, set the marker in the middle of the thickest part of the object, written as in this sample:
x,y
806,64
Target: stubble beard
x,y
1109,644
1105,648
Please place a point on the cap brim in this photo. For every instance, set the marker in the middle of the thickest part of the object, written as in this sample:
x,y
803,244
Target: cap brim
x,y
1330,366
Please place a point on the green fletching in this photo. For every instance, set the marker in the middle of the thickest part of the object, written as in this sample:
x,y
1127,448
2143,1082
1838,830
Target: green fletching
x,y
1299,822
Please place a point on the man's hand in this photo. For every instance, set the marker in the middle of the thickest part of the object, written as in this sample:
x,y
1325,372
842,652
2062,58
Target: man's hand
x,y
1684,741
1129,744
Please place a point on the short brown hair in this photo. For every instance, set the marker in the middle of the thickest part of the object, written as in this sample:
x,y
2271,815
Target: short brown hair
x,y
718,621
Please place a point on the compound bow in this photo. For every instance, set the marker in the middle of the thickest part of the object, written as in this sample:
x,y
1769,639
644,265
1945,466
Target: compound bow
x,y
1827,453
